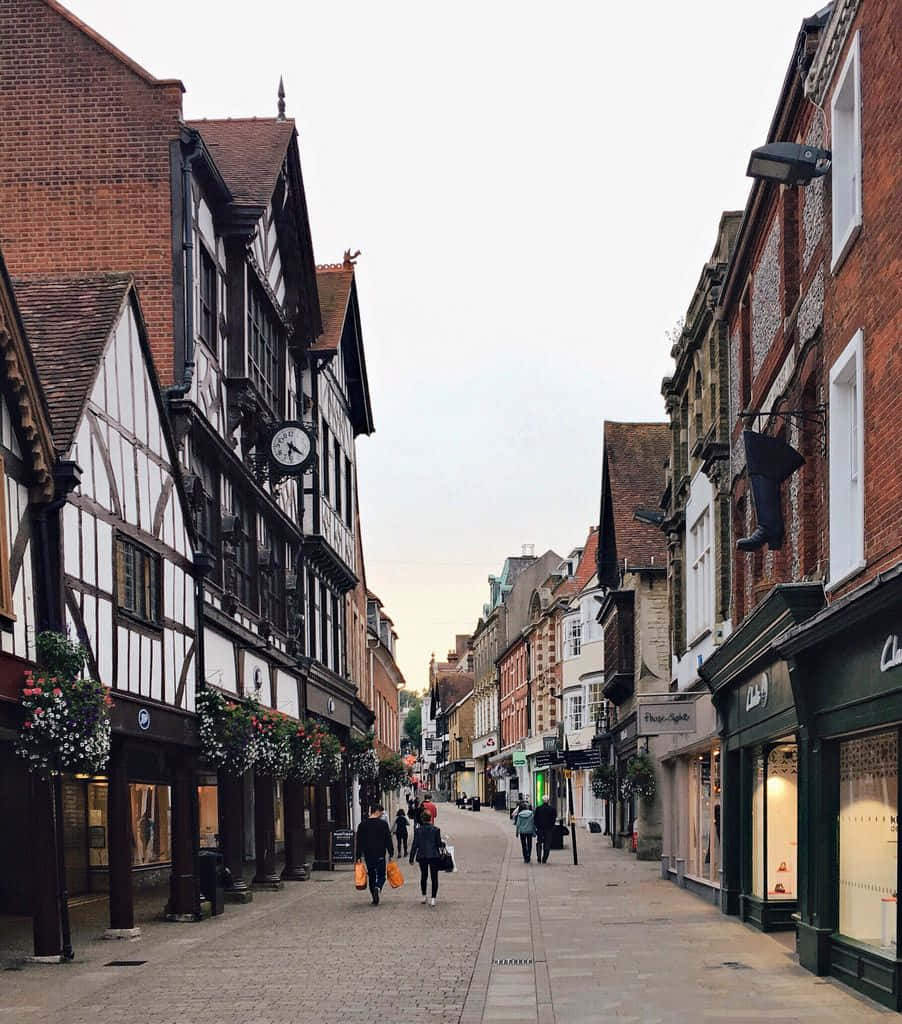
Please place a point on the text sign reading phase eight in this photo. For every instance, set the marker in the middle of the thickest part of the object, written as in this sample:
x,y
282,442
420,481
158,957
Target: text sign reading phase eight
x,y
672,717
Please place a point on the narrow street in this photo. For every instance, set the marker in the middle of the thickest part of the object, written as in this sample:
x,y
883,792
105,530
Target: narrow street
x,y
606,939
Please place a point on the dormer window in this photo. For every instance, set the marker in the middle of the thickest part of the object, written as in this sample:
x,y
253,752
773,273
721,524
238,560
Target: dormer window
x,y
264,347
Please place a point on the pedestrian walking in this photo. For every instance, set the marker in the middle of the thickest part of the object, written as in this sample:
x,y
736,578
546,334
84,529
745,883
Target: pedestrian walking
x,y
373,843
525,827
545,816
401,831
413,813
425,849
429,806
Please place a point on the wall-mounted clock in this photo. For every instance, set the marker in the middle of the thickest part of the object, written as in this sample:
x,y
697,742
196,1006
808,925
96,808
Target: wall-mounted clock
x,y
291,447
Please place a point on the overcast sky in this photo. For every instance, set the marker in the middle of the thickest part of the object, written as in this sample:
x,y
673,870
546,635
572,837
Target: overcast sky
x,y
535,188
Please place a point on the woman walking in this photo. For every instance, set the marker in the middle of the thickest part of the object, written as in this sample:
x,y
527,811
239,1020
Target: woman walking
x,y
401,831
427,842
525,827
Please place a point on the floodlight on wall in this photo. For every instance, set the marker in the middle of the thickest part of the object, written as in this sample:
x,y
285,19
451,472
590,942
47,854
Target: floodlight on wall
x,y
789,163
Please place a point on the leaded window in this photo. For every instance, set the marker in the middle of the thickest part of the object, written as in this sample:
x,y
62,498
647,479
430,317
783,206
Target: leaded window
x,y
264,343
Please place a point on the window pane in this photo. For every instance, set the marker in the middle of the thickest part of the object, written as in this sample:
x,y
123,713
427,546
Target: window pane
x,y
758,825
150,823
782,821
868,846
208,816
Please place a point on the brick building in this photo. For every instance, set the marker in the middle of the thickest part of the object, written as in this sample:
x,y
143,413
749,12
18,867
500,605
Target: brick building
x,y
806,685
632,570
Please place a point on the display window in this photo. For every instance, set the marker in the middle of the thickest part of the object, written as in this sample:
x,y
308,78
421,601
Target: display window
x,y
775,782
208,816
704,816
151,822
279,804
868,839
98,857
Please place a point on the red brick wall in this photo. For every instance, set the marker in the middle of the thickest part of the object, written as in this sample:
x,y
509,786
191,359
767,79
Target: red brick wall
x,y
863,293
866,291
84,161
386,696
513,695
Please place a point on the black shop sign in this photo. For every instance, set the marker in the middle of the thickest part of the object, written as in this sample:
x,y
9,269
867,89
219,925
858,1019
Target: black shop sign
x,y
342,846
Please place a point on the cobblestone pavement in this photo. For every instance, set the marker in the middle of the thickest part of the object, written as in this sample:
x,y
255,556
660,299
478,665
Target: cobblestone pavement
x,y
605,940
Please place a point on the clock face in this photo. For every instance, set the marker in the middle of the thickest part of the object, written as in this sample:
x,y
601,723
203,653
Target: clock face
x,y
290,447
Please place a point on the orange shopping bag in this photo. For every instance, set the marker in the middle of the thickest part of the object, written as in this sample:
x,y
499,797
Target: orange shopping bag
x,y
393,874
360,875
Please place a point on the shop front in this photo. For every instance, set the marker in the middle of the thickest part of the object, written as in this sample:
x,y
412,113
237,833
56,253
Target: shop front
x,y
331,700
759,762
691,795
484,747
847,673
504,780
625,746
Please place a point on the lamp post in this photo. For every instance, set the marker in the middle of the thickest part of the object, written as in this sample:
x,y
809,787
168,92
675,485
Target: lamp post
x,y
567,775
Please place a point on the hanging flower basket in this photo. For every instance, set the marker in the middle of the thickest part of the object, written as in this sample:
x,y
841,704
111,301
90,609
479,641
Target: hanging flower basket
x,y
604,782
363,759
303,755
640,777
274,746
393,773
228,734
67,724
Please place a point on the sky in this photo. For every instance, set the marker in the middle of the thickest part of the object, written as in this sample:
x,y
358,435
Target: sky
x,y
535,188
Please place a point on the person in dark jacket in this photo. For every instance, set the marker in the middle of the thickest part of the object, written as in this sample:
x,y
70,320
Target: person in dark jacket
x,y
373,843
545,816
401,831
427,842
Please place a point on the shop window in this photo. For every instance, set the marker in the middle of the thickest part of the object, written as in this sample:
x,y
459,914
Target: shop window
x,y
845,118
208,816
775,822
150,823
846,458
868,844
704,816
98,856
138,581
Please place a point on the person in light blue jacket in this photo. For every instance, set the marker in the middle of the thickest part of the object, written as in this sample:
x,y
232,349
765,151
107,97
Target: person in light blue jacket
x,y
525,827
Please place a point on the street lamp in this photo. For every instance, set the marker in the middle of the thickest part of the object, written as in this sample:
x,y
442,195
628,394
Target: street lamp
x,y
789,163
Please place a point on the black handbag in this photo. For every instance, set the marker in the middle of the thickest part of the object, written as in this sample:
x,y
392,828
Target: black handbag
x,y
445,860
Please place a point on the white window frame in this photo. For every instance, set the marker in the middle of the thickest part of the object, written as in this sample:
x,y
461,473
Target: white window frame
x,y
594,706
845,121
575,704
846,463
574,636
699,579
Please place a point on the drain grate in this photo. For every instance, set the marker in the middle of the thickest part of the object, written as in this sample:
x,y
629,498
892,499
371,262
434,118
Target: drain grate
x,y
510,961
125,963
733,965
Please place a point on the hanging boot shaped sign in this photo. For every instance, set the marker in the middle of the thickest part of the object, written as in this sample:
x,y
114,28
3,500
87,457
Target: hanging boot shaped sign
x,y
769,461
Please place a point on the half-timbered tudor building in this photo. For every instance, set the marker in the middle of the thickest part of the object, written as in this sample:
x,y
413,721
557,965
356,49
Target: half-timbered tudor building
x,y
126,577
27,463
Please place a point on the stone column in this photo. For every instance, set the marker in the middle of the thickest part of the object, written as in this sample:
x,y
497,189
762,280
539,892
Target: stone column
x,y
48,943
295,860
230,800
265,833
183,892
122,907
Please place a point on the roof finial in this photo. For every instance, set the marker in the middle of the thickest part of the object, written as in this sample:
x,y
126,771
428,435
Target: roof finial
x,y
350,257
281,95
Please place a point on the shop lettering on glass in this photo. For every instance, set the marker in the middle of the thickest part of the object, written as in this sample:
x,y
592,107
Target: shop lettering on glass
x,y
891,657
756,695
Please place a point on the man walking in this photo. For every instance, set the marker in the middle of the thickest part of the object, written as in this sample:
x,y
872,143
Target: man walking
x,y
373,843
428,805
545,815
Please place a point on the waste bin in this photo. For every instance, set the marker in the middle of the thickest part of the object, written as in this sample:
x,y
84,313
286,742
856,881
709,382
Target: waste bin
x,y
501,801
210,875
558,832
476,805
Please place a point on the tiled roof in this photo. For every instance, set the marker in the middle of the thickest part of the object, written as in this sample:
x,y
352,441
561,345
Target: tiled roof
x,y
452,686
634,455
68,321
333,284
249,153
585,569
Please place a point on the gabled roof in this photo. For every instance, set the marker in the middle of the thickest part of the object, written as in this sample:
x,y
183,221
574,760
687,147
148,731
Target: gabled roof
x,y
249,153
585,568
334,285
342,331
68,321
632,475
